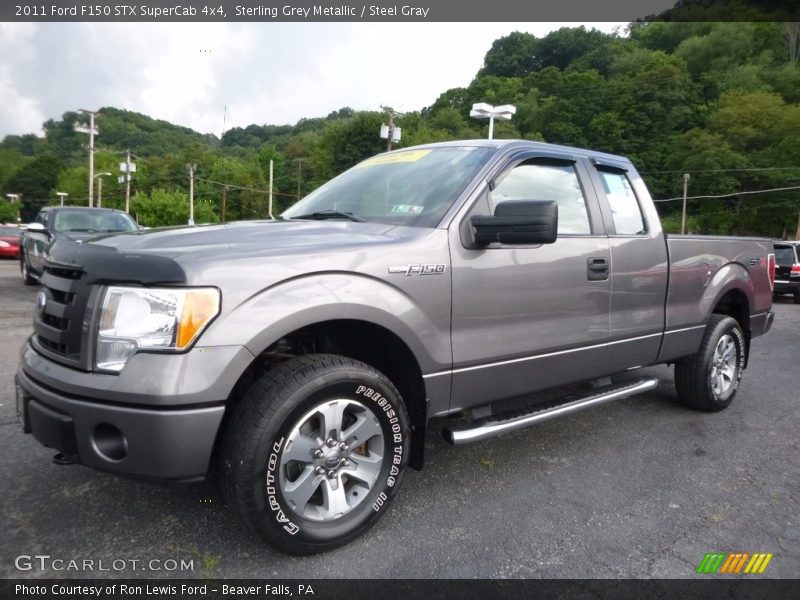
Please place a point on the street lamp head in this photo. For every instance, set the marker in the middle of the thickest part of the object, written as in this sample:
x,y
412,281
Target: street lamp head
x,y
481,110
101,175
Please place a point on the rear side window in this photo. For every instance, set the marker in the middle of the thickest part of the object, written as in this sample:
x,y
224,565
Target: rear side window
x,y
625,209
532,181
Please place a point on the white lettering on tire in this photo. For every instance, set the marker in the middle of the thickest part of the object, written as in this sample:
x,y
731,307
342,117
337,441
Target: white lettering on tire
x,y
272,500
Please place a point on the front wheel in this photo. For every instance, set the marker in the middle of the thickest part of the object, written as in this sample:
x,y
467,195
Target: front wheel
x,y
708,380
25,270
314,452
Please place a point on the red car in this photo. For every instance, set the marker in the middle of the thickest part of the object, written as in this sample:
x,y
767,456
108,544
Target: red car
x,y
9,241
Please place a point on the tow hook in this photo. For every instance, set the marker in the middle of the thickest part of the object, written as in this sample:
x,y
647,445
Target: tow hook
x,y
62,459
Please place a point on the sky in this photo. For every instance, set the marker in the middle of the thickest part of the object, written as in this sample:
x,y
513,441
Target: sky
x,y
264,73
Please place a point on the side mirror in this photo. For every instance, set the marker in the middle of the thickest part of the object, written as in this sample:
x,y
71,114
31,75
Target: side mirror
x,y
518,222
37,227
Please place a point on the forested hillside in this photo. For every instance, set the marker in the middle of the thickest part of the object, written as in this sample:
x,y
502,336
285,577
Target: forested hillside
x,y
720,101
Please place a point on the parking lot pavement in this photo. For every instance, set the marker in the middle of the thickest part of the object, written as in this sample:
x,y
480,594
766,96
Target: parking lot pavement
x,y
637,488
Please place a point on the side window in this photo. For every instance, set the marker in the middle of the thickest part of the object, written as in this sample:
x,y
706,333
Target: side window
x,y
533,181
624,207
42,218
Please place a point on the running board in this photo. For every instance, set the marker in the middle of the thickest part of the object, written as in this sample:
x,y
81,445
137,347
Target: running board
x,y
475,431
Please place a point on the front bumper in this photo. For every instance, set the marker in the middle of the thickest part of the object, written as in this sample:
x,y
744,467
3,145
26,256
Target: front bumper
x,y
147,430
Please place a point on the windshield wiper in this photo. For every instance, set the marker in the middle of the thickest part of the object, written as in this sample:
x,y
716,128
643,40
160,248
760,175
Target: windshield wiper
x,y
330,214
88,230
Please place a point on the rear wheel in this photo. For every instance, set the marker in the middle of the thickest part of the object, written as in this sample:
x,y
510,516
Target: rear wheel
x,y
25,270
314,452
708,380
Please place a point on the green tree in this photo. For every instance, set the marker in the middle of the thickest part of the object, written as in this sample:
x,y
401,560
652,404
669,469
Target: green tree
x,y
514,55
170,207
346,142
8,211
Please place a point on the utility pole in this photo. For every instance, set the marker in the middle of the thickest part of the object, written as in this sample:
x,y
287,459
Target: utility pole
x,y
224,201
99,178
191,168
270,190
390,132
92,131
685,190
797,235
127,168
299,162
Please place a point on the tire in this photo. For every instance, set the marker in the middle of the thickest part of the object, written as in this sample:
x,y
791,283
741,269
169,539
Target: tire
x,y
304,503
25,271
708,380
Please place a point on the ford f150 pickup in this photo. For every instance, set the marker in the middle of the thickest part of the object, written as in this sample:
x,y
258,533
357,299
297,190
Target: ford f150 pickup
x,y
304,357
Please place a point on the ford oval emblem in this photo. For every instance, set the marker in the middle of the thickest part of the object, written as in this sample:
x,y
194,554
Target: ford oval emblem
x,y
41,302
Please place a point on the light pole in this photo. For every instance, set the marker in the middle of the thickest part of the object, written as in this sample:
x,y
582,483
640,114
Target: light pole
x,y
61,196
481,110
99,178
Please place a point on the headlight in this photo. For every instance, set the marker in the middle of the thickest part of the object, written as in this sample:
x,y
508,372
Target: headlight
x,y
134,319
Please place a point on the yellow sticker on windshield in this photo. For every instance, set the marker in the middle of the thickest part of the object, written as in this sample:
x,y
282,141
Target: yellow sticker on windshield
x,y
399,157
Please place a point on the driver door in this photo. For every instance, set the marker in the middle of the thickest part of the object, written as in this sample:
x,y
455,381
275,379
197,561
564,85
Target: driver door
x,y
526,318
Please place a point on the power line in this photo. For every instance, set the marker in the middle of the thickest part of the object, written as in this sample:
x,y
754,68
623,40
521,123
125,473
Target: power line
x,y
731,195
241,187
723,170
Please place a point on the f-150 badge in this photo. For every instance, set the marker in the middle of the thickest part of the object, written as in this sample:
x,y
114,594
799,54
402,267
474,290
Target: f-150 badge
x,y
409,270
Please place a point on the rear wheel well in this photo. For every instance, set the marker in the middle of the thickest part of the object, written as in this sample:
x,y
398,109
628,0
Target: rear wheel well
x,y
359,340
734,304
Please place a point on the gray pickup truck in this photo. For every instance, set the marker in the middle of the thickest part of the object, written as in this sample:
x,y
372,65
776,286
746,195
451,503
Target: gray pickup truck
x,y
302,359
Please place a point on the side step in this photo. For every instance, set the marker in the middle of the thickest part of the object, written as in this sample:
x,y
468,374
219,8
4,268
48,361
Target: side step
x,y
475,431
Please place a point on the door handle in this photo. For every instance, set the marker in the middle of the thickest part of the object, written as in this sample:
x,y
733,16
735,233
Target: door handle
x,y
597,269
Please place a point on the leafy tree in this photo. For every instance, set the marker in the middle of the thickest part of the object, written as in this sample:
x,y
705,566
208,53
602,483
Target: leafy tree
x,y
562,47
514,55
8,212
169,207
11,160
33,182
346,142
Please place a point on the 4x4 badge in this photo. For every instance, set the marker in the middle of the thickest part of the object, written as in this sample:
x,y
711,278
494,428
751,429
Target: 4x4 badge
x,y
409,270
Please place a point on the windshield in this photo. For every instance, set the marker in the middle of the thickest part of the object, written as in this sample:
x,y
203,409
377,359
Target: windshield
x,y
410,187
92,221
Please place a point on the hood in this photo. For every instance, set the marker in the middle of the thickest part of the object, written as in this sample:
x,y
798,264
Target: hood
x,y
242,259
264,238
77,236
